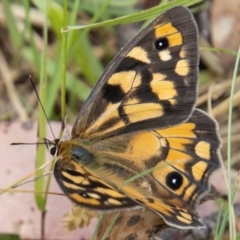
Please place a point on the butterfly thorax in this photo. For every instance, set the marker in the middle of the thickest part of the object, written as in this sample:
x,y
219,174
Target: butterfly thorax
x,y
73,151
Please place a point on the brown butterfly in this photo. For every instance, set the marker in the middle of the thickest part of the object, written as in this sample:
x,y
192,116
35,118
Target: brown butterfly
x,y
141,118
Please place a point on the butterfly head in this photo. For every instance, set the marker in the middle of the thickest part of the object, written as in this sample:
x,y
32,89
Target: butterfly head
x,y
53,146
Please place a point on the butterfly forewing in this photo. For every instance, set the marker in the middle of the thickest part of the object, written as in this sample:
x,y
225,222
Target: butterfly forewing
x,y
152,77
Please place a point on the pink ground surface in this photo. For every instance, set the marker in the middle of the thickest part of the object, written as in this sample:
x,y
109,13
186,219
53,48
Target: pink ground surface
x,y
18,211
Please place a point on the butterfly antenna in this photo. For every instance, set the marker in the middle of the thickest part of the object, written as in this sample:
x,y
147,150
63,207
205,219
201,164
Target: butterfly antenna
x,y
38,143
44,112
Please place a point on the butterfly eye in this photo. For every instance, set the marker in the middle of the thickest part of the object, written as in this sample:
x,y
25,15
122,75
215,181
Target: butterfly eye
x,y
53,146
53,150
161,44
174,180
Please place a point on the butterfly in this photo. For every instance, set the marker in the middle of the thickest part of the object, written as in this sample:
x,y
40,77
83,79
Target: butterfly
x,y
141,118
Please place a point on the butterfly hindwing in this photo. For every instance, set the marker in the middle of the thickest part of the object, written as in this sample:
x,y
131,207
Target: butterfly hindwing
x,y
145,83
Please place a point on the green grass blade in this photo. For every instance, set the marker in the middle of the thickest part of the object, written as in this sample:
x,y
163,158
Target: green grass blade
x,y
64,63
40,158
105,235
232,229
139,16
16,36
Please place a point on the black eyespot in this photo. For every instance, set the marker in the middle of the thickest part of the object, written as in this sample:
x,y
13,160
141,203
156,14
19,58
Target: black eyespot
x,y
174,180
161,44
53,150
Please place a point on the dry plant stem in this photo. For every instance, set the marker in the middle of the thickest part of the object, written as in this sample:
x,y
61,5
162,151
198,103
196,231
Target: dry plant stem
x,y
12,93
217,90
224,105
210,58
224,130
31,192
234,160
214,91
234,138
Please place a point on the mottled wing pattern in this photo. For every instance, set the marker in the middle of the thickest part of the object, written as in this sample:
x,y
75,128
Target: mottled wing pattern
x,y
152,80
131,225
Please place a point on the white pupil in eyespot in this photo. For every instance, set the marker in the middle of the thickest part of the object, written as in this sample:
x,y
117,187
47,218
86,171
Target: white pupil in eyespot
x,y
174,181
